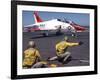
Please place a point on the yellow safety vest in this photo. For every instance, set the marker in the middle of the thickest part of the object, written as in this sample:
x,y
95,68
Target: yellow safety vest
x,y
62,46
31,56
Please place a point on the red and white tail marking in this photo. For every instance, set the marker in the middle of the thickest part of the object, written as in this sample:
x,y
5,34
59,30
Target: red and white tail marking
x,y
37,18
78,27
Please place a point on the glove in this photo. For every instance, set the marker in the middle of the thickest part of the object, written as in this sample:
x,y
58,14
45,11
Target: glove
x,y
80,43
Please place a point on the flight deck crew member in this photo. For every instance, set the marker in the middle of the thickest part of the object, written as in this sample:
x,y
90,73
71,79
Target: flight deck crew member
x,y
61,50
31,55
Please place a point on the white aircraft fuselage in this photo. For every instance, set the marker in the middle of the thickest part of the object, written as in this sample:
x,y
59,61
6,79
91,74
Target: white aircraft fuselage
x,y
52,25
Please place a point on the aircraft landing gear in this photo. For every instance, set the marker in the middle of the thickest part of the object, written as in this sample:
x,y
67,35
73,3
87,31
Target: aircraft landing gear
x,y
58,33
74,35
45,34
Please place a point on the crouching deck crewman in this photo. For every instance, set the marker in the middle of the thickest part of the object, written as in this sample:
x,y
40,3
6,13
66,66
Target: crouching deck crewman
x,y
31,55
61,50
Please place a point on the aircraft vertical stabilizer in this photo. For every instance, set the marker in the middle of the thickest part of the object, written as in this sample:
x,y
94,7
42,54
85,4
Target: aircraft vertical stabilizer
x,y
37,18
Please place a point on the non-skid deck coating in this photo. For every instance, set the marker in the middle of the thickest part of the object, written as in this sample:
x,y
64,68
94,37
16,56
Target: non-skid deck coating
x,y
46,46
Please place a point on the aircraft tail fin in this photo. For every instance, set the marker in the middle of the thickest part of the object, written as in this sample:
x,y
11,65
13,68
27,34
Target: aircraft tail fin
x,y
37,18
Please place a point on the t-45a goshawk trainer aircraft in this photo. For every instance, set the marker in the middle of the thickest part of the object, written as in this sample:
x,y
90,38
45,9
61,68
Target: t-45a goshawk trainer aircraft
x,y
53,25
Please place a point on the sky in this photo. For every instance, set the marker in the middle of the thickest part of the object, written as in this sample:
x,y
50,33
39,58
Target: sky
x,y
79,18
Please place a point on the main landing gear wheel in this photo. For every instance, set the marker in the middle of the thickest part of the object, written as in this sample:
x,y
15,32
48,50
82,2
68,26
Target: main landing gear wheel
x,y
45,34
